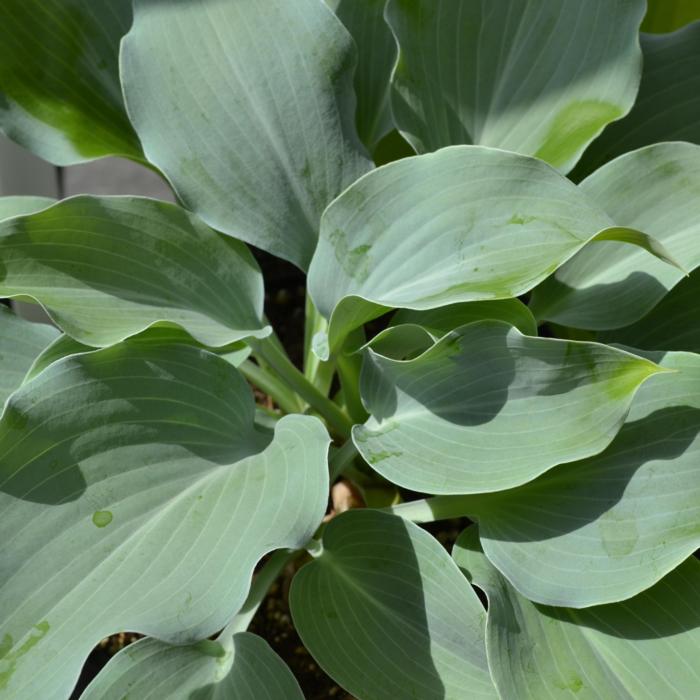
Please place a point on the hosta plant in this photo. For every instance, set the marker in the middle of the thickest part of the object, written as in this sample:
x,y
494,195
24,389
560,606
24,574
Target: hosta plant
x,y
497,209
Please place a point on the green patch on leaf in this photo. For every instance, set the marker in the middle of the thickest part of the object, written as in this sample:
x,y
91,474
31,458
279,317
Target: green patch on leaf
x,y
573,127
102,518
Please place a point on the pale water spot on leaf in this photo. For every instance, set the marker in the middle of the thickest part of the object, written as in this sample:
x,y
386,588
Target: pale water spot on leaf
x,y
573,127
102,518
618,533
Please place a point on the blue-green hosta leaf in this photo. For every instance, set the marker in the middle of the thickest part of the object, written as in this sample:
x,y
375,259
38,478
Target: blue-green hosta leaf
x,y
444,319
248,108
245,669
60,95
669,15
641,649
21,205
108,267
487,408
467,223
605,528
673,324
540,77
656,190
668,105
387,614
21,342
136,494
376,56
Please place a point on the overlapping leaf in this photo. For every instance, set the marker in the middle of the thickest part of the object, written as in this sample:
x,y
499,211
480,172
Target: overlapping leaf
x,y
605,528
59,79
641,649
137,494
376,56
444,319
21,342
467,223
245,669
64,346
108,267
673,324
655,190
668,105
387,614
540,77
487,408
248,108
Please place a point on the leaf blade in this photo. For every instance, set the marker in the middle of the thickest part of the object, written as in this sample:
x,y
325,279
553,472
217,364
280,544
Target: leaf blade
x,y
636,649
465,74
109,267
60,95
145,463
653,189
274,146
397,584
487,409
151,670
622,519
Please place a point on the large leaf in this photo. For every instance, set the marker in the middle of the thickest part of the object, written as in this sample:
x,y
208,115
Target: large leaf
x,y
605,528
668,105
668,15
59,78
487,408
655,190
246,668
642,649
673,324
376,56
540,77
467,223
108,267
388,615
21,342
248,108
138,495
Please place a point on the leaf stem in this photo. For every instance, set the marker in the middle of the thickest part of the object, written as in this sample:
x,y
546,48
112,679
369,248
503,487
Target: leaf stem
x,y
286,399
258,590
428,510
298,383
349,367
314,323
341,458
